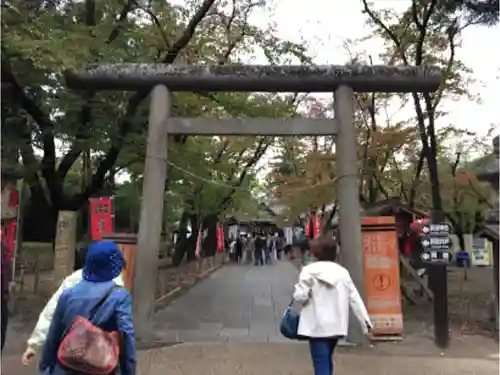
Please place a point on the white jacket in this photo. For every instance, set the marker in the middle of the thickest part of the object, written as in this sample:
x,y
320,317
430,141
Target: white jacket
x,y
37,338
326,290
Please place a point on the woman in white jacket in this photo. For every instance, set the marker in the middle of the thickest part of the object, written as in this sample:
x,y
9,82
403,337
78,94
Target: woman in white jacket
x,y
39,334
326,291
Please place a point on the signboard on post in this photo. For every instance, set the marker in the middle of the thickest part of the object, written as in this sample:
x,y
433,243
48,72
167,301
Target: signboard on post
x,y
101,217
436,243
381,269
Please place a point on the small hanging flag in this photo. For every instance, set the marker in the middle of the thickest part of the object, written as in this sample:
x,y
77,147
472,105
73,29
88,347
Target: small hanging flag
x,y
197,251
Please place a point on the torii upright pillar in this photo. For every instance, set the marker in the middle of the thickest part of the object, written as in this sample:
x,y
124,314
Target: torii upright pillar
x,y
349,207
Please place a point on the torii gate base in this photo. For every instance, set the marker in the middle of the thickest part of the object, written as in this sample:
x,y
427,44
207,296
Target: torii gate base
x,y
342,80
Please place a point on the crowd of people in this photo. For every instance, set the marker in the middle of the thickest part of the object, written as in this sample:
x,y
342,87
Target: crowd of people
x,y
258,249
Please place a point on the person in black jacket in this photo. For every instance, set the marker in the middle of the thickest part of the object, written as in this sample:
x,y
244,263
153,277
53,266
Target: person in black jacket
x,y
239,249
260,244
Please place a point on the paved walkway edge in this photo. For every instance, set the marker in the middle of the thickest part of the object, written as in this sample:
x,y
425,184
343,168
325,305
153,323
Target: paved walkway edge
x,y
165,300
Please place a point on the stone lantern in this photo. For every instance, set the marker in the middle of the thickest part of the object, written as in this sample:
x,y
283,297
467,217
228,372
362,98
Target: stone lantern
x,y
488,171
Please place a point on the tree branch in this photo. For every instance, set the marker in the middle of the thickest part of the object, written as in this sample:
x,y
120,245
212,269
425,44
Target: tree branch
x,y
451,34
127,8
157,23
422,28
217,160
239,38
258,153
380,186
73,154
386,29
125,123
416,179
480,197
39,117
188,32
401,180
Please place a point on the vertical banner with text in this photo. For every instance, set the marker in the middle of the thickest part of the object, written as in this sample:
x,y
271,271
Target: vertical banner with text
x,y
10,212
199,240
307,228
220,238
101,217
317,226
381,270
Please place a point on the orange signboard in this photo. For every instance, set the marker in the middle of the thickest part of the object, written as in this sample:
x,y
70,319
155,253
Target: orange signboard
x,y
381,269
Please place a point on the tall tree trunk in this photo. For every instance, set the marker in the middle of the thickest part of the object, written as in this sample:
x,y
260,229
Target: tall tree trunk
x,y
40,218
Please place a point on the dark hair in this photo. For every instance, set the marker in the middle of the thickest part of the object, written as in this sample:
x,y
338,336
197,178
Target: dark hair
x,y
324,248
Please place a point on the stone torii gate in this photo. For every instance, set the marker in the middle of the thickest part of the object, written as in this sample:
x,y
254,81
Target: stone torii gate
x,y
163,79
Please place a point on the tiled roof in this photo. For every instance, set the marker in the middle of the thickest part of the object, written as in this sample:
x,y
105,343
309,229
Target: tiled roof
x,y
490,231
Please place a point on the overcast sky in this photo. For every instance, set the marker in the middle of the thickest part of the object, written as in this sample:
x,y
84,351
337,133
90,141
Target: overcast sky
x,y
326,25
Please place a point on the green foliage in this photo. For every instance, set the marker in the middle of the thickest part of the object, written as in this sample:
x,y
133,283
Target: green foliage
x,y
429,33
41,40
392,162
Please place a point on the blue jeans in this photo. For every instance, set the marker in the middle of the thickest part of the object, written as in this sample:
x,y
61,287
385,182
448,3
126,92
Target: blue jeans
x,y
268,259
322,355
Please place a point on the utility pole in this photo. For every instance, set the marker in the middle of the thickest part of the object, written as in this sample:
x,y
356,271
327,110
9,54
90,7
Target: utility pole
x,y
438,276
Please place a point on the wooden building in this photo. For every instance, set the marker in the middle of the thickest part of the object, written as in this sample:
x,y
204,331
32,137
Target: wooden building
x,y
404,214
262,220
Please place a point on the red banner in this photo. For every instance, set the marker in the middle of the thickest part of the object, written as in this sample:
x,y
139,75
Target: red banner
x,y
220,239
101,217
316,226
197,251
9,237
14,198
9,227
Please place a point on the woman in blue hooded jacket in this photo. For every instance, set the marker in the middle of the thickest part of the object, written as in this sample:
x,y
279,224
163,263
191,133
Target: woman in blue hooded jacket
x,y
104,262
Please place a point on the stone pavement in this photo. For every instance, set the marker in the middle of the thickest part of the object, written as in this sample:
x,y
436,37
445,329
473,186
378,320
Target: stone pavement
x,y
237,358
236,303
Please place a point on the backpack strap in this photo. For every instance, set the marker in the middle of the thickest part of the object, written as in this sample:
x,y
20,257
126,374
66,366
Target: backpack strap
x,y
99,303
